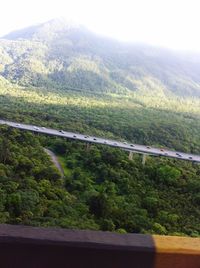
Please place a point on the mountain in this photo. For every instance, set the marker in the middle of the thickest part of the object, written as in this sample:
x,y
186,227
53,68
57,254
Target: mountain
x,y
158,104
64,55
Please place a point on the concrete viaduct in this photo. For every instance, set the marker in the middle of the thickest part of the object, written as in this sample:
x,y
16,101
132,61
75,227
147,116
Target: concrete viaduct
x,y
131,148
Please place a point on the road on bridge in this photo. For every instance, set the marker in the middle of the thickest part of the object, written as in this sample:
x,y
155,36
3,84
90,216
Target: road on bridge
x,y
142,149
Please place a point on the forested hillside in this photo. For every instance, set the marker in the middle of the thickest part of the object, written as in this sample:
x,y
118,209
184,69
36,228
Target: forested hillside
x,y
63,76
32,191
62,55
101,189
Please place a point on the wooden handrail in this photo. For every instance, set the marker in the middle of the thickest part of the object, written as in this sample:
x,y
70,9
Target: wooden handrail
x,y
22,246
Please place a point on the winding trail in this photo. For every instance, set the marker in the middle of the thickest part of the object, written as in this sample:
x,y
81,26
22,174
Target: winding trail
x,y
55,161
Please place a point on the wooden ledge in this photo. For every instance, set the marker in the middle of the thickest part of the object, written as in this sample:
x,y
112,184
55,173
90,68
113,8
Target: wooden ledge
x,y
23,246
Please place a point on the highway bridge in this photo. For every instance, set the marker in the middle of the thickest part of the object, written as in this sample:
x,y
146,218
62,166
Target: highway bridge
x,y
142,149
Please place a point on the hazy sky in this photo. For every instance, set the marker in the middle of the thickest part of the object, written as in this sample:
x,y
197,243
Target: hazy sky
x,y
169,23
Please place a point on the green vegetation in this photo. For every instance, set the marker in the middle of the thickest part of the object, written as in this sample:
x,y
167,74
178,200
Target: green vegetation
x,y
32,191
136,118
57,76
56,54
63,76
101,189
160,198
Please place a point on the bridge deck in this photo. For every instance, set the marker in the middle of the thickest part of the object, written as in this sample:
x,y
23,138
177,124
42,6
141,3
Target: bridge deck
x,y
92,139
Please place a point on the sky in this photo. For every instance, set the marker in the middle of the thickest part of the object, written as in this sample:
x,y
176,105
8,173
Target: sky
x,y
169,23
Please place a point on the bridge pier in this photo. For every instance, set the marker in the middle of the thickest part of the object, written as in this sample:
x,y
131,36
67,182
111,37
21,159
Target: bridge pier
x,y
69,135
144,158
130,156
88,146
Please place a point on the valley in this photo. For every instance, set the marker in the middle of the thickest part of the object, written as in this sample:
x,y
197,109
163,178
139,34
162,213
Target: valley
x,y
66,78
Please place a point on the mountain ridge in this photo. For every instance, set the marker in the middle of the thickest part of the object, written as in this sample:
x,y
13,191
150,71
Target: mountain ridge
x,y
57,24
56,54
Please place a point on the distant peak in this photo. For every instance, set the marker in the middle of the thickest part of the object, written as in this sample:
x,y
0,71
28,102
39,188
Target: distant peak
x,y
65,22
45,30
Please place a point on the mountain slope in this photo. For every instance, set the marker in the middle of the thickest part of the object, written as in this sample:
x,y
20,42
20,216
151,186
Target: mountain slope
x,y
61,55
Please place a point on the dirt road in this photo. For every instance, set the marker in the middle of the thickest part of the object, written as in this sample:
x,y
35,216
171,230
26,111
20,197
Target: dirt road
x,y
54,159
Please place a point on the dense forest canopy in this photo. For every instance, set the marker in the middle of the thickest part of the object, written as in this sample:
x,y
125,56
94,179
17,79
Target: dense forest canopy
x,y
64,76
101,189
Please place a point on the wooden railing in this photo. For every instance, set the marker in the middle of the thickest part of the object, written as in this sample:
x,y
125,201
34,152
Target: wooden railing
x,y
31,247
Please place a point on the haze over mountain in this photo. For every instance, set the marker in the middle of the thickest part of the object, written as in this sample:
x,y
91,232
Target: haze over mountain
x,y
41,69
62,54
